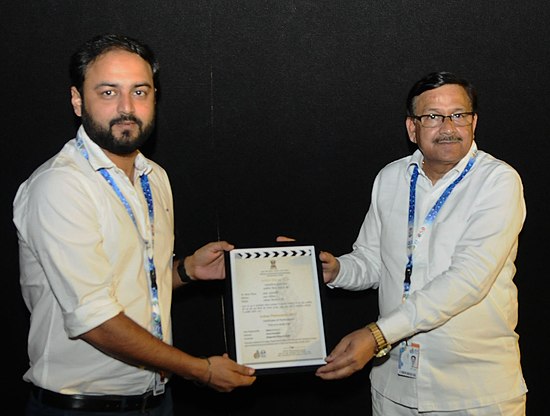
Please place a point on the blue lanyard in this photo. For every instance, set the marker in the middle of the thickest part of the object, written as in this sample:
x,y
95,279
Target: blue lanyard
x,y
413,241
146,188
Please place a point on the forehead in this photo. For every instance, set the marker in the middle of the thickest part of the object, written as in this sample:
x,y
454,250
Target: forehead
x,y
119,66
450,96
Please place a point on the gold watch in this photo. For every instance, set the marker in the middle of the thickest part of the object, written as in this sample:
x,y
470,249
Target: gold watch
x,y
382,346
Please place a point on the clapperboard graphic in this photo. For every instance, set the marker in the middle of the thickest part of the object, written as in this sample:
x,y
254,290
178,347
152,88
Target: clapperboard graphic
x,y
274,252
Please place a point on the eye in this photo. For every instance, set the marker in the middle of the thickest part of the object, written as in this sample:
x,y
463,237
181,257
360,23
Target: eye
x,y
433,116
144,93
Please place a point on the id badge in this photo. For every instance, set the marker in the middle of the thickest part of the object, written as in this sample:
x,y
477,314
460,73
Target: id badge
x,y
409,355
158,388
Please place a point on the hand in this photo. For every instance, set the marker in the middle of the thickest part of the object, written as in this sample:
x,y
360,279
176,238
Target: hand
x,y
225,374
331,266
351,354
208,263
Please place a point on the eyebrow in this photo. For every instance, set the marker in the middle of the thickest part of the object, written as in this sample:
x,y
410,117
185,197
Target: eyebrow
x,y
112,84
438,110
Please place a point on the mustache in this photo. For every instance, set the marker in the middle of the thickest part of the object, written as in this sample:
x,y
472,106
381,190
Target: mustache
x,y
124,118
447,139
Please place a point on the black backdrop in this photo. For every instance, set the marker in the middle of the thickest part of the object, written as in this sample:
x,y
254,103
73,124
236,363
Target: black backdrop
x,y
274,117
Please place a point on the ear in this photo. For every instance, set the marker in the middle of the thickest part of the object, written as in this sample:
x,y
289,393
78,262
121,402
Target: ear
x,y
474,124
76,101
411,129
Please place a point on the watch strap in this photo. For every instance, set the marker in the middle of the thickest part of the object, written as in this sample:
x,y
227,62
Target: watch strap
x,y
382,345
184,277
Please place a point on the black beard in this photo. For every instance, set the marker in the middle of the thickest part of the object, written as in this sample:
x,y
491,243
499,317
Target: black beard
x,y
104,137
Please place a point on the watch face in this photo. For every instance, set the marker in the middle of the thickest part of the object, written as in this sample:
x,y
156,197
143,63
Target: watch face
x,y
383,351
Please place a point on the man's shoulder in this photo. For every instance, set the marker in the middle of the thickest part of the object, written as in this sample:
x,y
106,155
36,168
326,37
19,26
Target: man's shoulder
x,y
398,165
487,162
64,162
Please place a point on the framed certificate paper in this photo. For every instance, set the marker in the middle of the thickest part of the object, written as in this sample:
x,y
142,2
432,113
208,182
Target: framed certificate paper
x,y
274,309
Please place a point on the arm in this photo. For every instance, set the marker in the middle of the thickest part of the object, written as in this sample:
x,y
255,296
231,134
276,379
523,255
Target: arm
x,y
123,339
476,247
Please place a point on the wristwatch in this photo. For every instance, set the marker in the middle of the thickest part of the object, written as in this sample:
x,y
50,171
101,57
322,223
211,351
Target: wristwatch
x,y
382,346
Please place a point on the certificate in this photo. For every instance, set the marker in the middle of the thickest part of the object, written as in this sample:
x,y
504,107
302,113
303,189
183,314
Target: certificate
x,y
274,308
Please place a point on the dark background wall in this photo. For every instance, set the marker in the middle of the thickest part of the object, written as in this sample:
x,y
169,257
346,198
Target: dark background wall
x,y
274,118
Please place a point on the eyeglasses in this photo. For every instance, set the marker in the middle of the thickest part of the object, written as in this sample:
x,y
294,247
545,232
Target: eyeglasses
x,y
436,120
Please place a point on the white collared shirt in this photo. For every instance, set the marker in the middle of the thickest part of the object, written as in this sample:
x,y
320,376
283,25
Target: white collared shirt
x,y
462,308
82,262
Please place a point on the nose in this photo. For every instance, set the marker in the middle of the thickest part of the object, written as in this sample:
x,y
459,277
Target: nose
x,y
125,104
448,124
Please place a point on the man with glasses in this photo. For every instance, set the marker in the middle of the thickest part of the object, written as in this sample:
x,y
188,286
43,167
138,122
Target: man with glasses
x,y
439,243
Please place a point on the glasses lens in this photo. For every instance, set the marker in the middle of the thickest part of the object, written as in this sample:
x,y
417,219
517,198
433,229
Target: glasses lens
x,y
431,120
462,119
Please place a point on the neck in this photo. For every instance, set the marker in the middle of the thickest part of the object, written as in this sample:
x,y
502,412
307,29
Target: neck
x,y
437,171
124,162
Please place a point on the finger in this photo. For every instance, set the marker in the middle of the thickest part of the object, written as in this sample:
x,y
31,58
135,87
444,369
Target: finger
x,y
331,368
248,380
220,246
239,368
334,375
225,246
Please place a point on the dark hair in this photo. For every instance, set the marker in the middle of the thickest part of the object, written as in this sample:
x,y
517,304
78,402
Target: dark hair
x,y
435,80
102,44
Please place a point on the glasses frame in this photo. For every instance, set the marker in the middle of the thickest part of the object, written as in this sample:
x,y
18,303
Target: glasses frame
x,y
450,117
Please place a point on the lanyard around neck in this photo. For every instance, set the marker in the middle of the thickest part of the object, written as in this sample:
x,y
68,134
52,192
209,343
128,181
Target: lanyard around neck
x,y
412,240
146,188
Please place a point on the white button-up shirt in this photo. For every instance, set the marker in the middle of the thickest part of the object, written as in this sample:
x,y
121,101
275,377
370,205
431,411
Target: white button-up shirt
x,y
462,309
83,261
